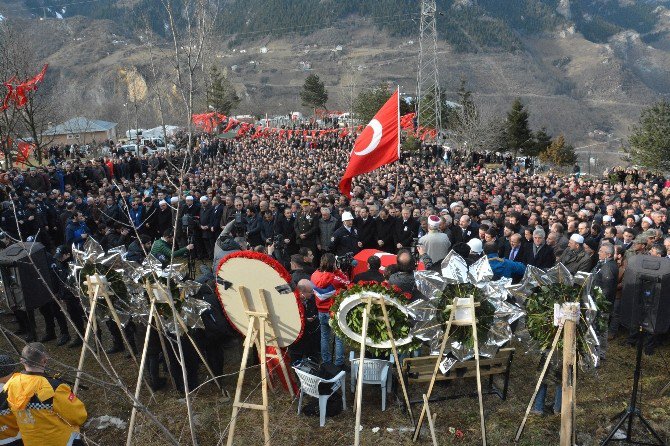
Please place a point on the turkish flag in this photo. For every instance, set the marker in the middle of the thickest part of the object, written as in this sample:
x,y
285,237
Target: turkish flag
x,y
378,144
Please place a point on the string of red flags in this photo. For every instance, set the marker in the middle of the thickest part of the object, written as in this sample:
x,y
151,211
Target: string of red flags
x,y
213,122
17,92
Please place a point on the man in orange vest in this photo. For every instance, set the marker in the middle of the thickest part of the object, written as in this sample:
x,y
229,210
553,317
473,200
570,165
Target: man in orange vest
x,y
9,430
46,410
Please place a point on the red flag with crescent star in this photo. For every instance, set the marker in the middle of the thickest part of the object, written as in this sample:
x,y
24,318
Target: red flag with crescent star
x,y
377,145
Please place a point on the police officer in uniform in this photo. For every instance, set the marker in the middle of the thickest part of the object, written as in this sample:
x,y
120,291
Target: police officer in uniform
x,y
59,281
306,227
345,238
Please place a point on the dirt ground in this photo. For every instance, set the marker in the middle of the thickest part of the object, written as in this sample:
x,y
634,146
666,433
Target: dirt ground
x,y
600,396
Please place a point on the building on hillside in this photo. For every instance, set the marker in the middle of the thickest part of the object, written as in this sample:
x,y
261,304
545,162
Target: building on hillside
x,y
81,131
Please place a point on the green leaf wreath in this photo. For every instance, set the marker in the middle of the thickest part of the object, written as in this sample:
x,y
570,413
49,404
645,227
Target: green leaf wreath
x,y
484,313
114,278
401,324
540,313
163,308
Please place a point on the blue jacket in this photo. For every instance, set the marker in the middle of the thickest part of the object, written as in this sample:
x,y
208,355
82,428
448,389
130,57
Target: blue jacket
x,y
74,231
505,267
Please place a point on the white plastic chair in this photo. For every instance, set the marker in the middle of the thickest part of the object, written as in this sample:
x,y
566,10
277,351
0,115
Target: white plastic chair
x,y
309,384
375,371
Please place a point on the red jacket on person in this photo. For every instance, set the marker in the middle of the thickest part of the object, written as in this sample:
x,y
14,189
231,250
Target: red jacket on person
x,y
326,285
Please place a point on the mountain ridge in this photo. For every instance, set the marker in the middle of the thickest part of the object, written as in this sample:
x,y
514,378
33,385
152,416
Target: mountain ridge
x,y
583,68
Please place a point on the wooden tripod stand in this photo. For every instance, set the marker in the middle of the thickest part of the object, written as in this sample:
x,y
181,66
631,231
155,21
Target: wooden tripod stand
x,y
569,318
98,286
260,324
462,314
158,293
368,301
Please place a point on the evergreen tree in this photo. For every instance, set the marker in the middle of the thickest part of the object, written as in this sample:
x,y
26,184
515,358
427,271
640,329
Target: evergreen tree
x,y
650,139
221,94
368,102
559,153
519,136
313,94
541,141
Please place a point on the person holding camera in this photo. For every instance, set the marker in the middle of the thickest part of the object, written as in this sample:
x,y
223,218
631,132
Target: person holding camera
x,y
162,248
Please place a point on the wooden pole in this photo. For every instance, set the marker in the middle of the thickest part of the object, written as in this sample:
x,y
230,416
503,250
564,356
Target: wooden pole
x,y
255,335
557,336
359,382
273,335
431,421
117,321
479,376
264,379
138,387
115,316
93,296
237,404
160,329
443,346
187,397
571,312
397,360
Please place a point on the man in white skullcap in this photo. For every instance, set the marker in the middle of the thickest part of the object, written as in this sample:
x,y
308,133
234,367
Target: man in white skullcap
x,y
574,257
436,243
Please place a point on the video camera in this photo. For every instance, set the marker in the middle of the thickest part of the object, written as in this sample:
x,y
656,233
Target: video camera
x,y
345,262
278,241
188,223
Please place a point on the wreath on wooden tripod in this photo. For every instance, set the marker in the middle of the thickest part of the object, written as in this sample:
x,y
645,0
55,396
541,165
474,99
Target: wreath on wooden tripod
x,y
400,322
540,313
484,313
119,296
163,308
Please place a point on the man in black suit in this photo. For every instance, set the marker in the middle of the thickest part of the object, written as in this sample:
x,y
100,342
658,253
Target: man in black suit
x,y
366,228
406,229
465,230
539,254
206,224
384,225
372,274
515,249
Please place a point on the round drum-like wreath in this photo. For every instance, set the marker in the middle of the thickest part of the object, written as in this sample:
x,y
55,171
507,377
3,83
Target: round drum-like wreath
x,y
252,273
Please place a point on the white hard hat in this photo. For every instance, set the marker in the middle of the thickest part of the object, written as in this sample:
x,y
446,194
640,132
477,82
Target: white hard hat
x,y
475,245
346,215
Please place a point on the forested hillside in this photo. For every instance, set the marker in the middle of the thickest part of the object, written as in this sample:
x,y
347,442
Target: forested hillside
x,y
469,25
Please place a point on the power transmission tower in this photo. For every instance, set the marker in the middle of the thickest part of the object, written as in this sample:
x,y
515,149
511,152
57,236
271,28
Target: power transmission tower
x,y
429,107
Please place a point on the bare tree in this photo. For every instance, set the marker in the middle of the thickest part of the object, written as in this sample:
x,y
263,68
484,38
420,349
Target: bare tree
x,y
191,24
19,60
478,127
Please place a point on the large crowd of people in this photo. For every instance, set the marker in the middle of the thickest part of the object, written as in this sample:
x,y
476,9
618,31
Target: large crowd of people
x,y
280,196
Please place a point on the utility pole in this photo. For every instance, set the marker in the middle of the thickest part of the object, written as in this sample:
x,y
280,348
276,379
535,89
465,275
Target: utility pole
x,y
429,107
